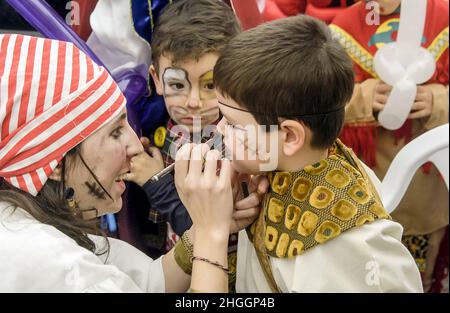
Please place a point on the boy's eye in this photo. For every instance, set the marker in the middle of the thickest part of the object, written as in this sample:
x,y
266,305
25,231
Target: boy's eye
x,y
209,86
177,86
117,133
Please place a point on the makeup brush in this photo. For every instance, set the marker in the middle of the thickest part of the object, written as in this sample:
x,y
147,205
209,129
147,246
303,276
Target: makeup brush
x,y
217,136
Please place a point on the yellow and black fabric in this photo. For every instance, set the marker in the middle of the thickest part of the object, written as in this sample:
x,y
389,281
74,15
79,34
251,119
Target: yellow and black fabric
x,y
418,246
307,208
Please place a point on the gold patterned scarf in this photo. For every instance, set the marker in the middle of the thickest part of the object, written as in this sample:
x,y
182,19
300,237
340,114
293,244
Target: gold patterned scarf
x,y
307,208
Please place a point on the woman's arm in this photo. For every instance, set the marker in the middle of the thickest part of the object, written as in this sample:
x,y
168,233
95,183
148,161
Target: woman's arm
x,y
212,241
176,279
209,199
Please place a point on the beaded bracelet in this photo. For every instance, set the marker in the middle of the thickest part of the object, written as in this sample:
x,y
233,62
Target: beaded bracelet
x,y
197,258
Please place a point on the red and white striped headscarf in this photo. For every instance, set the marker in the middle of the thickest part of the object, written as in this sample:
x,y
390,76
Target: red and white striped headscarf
x,y
52,97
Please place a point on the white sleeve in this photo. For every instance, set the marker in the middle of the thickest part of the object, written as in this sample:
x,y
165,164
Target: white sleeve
x,y
370,258
114,39
35,257
366,259
146,273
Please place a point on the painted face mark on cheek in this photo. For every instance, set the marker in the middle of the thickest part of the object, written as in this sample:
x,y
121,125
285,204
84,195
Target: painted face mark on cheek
x,y
176,82
206,83
95,191
96,184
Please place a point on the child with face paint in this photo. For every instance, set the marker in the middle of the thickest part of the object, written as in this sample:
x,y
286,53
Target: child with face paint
x,y
188,39
322,227
423,212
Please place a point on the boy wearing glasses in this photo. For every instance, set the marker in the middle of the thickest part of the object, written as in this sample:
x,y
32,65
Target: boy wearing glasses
x,y
323,227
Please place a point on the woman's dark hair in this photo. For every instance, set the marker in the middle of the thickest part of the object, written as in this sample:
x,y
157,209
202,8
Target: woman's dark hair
x,y
50,207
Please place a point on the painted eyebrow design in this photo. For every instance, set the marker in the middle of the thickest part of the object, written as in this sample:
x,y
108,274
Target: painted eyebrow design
x,y
202,77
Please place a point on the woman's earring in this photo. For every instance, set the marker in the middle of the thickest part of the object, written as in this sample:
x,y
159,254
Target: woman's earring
x,y
69,196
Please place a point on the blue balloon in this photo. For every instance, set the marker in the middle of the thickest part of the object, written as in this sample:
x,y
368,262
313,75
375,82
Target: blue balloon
x,y
44,19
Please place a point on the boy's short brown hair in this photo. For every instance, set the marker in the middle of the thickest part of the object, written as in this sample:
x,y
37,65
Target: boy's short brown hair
x,y
188,29
289,68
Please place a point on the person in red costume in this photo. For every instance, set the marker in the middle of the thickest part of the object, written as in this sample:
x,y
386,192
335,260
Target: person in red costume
x,y
325,10
83,28
423,211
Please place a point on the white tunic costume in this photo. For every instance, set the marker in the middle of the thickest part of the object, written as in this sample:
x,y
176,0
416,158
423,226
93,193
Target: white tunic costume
x,y
36,257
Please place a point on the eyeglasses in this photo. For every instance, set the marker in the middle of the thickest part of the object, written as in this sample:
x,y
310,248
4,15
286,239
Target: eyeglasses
x,y
284,115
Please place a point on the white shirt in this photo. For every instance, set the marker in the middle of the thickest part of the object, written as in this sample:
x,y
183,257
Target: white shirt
x,y
36,257
370,258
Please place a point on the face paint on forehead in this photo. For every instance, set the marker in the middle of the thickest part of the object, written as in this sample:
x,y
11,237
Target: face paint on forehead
x,y
208,76
176,82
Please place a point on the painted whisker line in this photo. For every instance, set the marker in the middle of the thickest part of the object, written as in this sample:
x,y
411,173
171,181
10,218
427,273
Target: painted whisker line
x,y
95,178
95,191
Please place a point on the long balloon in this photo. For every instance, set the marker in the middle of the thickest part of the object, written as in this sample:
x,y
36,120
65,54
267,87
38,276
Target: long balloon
x,y
44,19
404,64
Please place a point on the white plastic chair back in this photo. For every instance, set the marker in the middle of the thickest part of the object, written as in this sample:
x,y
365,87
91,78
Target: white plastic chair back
x,y
433,146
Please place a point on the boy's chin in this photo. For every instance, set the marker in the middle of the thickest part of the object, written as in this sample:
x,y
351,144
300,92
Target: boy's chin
x,y
246,167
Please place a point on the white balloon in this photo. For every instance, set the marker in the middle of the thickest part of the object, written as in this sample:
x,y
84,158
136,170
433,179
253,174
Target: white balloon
x,y
386,65
423,68
399,104
404,64
410,33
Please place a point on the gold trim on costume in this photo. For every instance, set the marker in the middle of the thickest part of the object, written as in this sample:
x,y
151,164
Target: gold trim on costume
x,y
320,202
364,58
358,53
439,45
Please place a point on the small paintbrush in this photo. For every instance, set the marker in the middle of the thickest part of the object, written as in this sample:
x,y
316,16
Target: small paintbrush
x,y
171,167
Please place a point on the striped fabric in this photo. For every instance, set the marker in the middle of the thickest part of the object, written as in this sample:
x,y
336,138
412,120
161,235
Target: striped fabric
x,y
52,97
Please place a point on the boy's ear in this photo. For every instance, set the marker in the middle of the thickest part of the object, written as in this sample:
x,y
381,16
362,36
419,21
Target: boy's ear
x,y
57,173
293,138
156,80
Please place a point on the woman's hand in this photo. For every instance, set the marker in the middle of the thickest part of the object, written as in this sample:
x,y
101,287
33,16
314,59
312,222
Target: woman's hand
x,y
206,195
208,198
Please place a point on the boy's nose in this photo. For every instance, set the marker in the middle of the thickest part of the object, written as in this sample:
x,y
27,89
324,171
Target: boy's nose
x,y
194,103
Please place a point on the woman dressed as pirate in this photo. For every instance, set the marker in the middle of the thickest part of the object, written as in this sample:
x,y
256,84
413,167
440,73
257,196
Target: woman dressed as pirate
x,y
64,141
